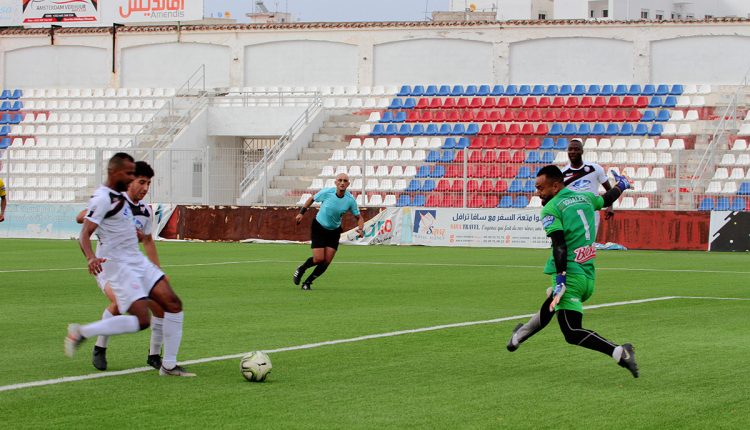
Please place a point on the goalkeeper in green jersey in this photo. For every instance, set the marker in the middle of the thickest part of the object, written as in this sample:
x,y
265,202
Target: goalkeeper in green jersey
x,y
568,219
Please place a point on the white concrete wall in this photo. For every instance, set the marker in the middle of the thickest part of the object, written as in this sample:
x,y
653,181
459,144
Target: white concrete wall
x,y
171,64
448,61
571,60
304,62
251,121
694,60
57,66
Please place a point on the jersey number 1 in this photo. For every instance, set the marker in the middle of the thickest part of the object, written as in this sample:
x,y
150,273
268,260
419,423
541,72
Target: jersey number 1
x,y
585,223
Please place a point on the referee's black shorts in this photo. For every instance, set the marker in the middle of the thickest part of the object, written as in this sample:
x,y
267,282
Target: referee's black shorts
x,y
322,237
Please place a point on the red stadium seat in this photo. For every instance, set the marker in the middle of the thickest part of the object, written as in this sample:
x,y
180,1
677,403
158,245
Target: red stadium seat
x,y
423,103
541,129
516,102
518,143
452,116
449,103
578,116
627,101
591,116
475,201
494,116
493,171
514,129
619,116
468,116
489,156
490,143
503,157
457,186
509,172
500,129
477,142
475,156
491,201
586,102
509,115
486,186
634,115
518,157
522,116
475,103
527,129
543,102
504,143
455,170
462,103
549,116
489,103
571,102
436,103
530,102
502,102
534,142
472,185
485,130
434,200
443,185
459,158
535,115
605,115
613,102
599,102
563,116
641,102
558,102
414,115
501,186
438,116
480,115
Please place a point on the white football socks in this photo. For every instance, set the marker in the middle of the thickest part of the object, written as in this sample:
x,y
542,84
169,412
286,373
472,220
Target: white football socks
x,y
102,341
172,338
120,324
157,335
617,354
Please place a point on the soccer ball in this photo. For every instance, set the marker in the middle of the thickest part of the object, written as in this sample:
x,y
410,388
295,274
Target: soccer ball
x,y
255,366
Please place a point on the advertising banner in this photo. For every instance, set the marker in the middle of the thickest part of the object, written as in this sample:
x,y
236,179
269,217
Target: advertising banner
x,y
41,221
513,228
10,13
729,231
145,11
40,13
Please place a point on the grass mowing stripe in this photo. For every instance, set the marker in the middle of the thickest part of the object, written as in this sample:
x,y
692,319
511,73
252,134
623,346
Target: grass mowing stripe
x,y
337,342
385,263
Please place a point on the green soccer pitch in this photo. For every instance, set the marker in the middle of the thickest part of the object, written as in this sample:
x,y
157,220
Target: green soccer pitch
x,y
692,348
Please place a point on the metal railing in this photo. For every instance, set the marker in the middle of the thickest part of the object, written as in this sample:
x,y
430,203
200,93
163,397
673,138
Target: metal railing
x,y
259,171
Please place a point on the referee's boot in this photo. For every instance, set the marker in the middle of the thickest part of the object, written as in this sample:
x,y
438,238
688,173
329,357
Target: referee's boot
x,y
298,273
307,285
628,359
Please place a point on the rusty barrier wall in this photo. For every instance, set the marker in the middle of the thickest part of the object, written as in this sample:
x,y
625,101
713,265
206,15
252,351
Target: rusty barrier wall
x,y
660,230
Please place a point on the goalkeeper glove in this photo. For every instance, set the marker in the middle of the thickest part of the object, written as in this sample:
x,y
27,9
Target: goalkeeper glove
x,y
621,181
559,284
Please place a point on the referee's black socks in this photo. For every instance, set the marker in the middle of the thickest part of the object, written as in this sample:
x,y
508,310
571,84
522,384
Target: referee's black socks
x,y
319,270
307,264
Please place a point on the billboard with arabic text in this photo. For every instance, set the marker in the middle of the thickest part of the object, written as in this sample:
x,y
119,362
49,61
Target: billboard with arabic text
x,y
144,11
40,13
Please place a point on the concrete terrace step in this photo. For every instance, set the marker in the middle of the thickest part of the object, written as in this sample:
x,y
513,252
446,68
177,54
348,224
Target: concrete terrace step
x,y
342,131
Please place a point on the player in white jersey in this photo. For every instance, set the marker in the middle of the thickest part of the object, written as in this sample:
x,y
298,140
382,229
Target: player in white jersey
x,y
132,277
581,176
143,219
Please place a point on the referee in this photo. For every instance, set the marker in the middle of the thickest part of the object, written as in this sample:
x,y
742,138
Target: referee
x,y
326,227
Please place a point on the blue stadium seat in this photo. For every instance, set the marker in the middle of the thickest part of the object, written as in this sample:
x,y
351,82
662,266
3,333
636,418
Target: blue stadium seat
x,y
5,119
626,129
722,204
552,90
472,129
450,143
516,186
520,202
396,104
505,202
17,106
738,204
17,94
555,130
432,130
428,185
612,129
676,90
547,143
511,90
656,130
648,116
529,187
744,189
707,204
417,130
548,157
377,130
598,129
537,90
458,129
463,143
648,90
662,115
458,90
498,90
594,90
670,101
403,200
4,130
417,91
655,102
16,119
5,105
524,90
444,91
584,129
607,90
433,157
484,90
387,116
578,90
404,130
566,90
5,142
448,156
414,185
662,90
404,91
400,116
471,90
570,129
621,90
634,90
524,172
410,103
431,90
392,129
6,94
419,200
561,144
531,157
640,129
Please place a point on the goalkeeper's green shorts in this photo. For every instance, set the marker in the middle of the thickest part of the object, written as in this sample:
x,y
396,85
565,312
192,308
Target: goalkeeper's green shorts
x,y
578,289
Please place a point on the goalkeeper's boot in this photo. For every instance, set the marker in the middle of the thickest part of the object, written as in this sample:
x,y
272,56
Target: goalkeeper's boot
x,y
628,359
513,343
99,358
298,275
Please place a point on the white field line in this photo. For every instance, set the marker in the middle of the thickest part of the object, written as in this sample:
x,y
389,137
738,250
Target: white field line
x,y
396,263
334,342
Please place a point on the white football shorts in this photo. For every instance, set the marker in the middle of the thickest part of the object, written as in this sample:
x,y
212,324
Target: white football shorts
x,y
130,280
